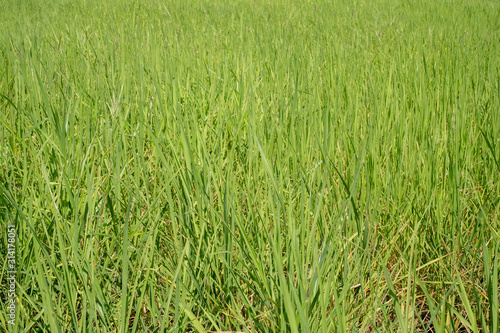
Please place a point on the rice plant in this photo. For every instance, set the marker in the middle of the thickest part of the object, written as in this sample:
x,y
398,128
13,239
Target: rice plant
x,y
251,166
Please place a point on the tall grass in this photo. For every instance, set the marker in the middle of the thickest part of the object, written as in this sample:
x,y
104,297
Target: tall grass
x,y
252,166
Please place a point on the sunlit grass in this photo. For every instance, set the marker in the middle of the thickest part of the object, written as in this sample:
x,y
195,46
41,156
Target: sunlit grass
x,y
253,166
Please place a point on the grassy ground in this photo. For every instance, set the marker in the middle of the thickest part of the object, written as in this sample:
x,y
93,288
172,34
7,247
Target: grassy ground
x,y
253,166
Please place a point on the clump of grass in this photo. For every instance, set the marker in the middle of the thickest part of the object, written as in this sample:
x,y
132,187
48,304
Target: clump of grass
x,y
284,166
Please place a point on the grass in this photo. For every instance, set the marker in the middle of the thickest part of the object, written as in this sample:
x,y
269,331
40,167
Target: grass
x,y
251,166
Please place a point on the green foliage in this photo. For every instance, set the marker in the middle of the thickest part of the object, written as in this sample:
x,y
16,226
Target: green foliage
x,y
252,166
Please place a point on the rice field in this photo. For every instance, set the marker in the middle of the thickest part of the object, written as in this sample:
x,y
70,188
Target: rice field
x,y
251,165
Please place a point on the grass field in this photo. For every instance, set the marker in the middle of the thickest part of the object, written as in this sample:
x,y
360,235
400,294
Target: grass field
x,y
251,166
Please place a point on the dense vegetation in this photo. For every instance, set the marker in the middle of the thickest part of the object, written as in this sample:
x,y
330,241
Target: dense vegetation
x,y
253,166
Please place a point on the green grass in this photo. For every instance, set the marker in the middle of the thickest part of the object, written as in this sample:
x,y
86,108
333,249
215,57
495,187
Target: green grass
x,y
252,166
